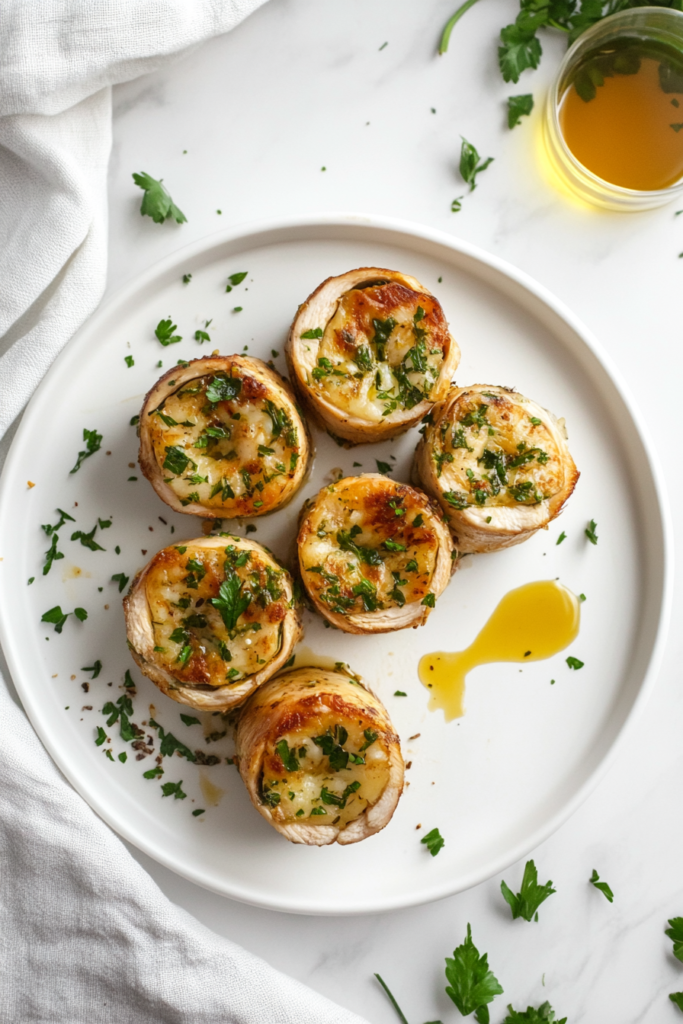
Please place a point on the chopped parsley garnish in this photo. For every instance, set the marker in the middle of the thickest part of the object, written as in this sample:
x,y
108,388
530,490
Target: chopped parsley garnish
x,y
418,520
201,337
370,737
170,744
563,536
88,539
173,789
134,420
122,712
400,693
176,460
471,984
471,163
675,933
52,554
121,579
164,333
519,107
315,332
383,467
156,202
334,799
200,810
232,601
528,900
457,499
223,389
187,278
235,279
456,204
93,443
602,886
56,617
393,545
129,361
590,532
345,540
434,841
429,600
153,773
287,756
101,736
95,669
575,663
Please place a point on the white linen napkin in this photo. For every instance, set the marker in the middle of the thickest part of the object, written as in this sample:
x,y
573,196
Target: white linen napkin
x,y
87,937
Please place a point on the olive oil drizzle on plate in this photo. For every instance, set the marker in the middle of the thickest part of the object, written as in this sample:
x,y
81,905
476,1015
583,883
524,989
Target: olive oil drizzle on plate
x,y
530,623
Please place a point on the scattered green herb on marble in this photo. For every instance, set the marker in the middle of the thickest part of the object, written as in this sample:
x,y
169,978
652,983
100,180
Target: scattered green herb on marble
x,y
391,999
472,985
471,163
602,886
156,201
526,903
519,107
675,933
543,1015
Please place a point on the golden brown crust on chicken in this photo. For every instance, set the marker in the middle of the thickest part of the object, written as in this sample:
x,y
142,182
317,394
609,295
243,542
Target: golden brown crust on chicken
x,y
210,620
374,554
369,353
222,438
319,757
497,463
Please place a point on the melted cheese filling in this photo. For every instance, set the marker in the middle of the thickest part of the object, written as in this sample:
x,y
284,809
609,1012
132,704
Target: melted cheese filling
x,y
380,352
216,615
370,547
327,773
231,454
493,450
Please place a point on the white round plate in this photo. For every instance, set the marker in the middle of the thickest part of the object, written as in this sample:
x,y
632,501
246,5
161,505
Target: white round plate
x,y
496,782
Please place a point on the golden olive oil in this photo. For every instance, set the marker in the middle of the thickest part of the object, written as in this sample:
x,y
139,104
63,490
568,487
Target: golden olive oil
x,y
621,113
530,623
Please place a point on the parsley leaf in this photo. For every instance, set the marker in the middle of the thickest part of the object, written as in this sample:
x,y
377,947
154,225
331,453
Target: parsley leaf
x,y
121,579
590,532
287,756
231,601
63,516
574,663
675,933
169,743
88,539
93,443
602,886
563,536
153,773
101,736
223,389
429,600
677,999
156,202
164,333
52,554
173,789
518,107
190,720
434,841
235,279
520,49
526,903
471,984
471,163
315,332
56,617
543,1015
383,467
95,669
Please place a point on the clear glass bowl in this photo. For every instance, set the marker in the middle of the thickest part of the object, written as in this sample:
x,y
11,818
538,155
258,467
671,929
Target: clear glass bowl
x,y
652,24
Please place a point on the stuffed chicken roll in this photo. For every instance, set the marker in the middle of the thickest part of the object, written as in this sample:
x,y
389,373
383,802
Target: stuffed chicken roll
x,y
319,757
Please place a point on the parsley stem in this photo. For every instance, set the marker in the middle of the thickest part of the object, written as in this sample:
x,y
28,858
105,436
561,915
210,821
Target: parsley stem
x,y
450,24
393,1002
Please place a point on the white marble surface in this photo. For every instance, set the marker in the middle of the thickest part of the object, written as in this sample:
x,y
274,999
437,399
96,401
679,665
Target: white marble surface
x,y
260,112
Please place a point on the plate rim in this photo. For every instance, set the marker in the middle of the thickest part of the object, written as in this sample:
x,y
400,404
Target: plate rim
x,y
248,233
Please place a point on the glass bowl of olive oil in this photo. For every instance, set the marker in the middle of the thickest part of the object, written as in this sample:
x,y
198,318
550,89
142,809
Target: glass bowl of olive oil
x,y
614,116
